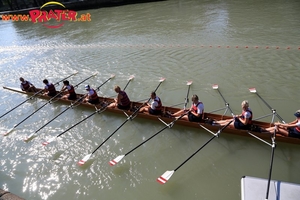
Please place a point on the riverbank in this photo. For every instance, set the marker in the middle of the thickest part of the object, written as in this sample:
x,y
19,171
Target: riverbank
x,y
82,5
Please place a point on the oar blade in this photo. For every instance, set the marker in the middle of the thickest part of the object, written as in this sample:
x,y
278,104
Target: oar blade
x,y
215,86
29,137
112,76
116,160
252,90
189,82
131,77
49,141
165,177
83,161
8,132
162,79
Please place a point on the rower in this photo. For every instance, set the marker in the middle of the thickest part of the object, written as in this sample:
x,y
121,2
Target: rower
x,y
155,108
27,85
92,96
291,129
242,121
195,112
71,91
49,88
122,101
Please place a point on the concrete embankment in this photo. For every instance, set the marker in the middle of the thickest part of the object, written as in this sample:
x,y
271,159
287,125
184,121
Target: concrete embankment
x,y
5,195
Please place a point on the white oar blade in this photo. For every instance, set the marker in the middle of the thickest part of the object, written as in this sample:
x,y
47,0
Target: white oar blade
x,y
82,162
29,137
215,86
8,132
116,160
47,142
189,83
131,77
112,76
165,177
162,79
253,90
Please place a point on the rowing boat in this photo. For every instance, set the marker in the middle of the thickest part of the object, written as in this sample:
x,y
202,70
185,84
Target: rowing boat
x,y
106,100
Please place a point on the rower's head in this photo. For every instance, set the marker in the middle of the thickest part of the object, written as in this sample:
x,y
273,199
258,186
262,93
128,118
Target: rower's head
x,y
117,89
66,82
195,98
297,114
87,87
245,104
45,81
22,79
153,95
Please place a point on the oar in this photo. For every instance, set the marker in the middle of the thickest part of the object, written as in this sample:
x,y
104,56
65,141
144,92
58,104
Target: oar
x,y
70,106
34,96
49,101
253,90
120,157
189,83
82,161
271,163
97,111
216,87
167,175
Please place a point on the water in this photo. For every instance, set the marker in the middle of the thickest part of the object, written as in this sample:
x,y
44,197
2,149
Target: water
x,y
235,44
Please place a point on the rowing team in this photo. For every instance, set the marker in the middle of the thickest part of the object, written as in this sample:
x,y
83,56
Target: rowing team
x,y
194,114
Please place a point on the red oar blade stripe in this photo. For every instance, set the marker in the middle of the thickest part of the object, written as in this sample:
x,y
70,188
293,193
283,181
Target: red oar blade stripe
x,y
165,177
116,160
112,163
81,162
162,79
8,132
253,90
45,143
161,180
215,86
189,82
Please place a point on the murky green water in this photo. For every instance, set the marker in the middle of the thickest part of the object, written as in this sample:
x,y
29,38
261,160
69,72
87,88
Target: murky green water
x,y
235,44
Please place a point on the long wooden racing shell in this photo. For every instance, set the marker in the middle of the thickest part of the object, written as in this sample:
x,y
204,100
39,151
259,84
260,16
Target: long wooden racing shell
x,y
134,105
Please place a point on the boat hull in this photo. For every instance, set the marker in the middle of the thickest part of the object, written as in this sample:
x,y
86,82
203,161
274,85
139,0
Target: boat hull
x,y
265,136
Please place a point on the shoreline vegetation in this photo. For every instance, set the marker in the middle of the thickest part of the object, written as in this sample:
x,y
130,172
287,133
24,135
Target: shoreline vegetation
x,y
24,6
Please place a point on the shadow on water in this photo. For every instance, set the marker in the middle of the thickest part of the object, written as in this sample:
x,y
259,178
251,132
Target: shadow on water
x,y
75,5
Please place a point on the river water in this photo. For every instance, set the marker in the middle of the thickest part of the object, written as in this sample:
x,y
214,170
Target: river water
x,y
235,44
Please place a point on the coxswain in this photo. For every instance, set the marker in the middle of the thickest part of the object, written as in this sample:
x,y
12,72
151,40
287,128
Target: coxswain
x,y
27,85
49,88
153,108
71,91
122,101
